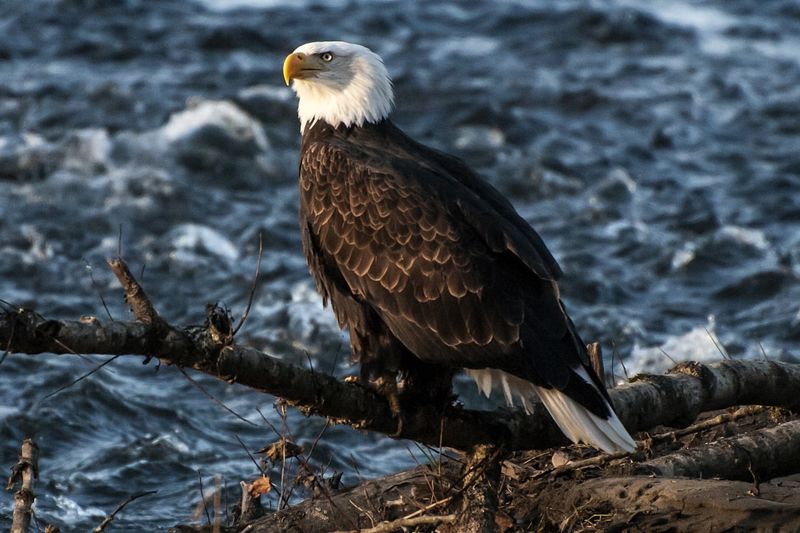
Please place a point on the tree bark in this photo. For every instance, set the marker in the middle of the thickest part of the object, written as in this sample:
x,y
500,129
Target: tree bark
x,y
674,399
479,495
756,455
24,472
664,504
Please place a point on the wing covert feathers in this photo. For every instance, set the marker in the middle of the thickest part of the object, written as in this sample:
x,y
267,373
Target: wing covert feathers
x,y
410,245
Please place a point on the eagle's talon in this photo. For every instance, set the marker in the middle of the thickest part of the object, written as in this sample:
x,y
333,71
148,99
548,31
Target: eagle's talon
x,y
397,413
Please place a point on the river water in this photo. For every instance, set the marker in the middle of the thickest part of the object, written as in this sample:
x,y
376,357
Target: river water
x,y
653,144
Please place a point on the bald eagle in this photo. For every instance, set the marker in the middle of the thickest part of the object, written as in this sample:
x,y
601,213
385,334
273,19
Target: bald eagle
x,y
427,265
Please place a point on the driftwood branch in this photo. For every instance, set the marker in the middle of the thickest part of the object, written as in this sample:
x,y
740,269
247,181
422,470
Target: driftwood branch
x,y
761,454
24,473
674,399
402,524
650,504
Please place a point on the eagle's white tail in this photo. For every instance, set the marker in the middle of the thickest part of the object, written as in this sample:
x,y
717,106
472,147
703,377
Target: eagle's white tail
x,y
578,423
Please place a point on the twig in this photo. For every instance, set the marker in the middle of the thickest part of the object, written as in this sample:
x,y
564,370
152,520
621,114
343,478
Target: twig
x,y
135,295
715,340
79,379
250,455
597,460
283,501
214,398
763,351
217,505
427,508
621,362
613,355
341,348
665,354
317,439
604,459
624,369
401,523
253,288
441,434
24,472
710,423
203,497
120,507
305,464
354,464
97,289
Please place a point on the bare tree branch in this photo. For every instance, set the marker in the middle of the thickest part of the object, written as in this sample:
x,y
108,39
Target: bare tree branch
x,y
673,399
108,519
24,472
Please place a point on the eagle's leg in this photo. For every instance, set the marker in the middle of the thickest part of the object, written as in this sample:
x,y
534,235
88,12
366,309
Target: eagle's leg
x,y
383,380
409,384
426,385
422,387
380,355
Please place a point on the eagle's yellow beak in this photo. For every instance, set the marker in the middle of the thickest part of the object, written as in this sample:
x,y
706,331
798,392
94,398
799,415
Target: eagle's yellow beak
x,y
294,66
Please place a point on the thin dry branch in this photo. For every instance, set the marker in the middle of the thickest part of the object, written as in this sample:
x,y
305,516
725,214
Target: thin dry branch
x,y
24,473
708,423
108,519
135,295
403,523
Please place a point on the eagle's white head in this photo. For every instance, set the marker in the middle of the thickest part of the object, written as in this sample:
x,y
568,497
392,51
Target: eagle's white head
x,y
340,83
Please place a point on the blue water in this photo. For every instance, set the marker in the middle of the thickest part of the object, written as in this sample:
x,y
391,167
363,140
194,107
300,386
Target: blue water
x,y
654,145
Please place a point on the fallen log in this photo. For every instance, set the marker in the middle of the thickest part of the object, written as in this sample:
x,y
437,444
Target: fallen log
x,y
758,454
663,504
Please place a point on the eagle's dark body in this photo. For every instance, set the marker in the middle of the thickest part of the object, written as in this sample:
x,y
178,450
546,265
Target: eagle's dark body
x,y
429,267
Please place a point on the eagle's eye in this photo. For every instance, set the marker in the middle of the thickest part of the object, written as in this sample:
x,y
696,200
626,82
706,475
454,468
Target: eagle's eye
x,y
326,56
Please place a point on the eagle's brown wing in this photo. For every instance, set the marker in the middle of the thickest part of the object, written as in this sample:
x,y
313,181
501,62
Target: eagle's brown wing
x,y
457,281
